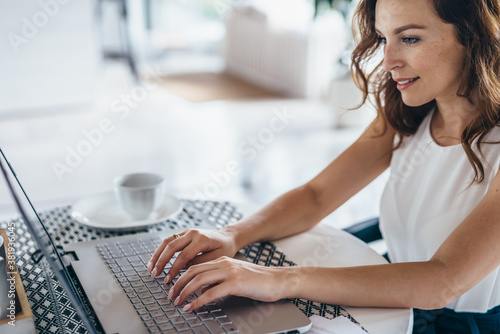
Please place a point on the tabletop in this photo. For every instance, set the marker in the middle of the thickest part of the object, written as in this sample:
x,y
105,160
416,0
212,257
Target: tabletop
x,y
327,246
322,246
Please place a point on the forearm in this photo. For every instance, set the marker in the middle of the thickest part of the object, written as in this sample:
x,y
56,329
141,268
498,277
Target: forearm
x,y
293,212
303,207
417,284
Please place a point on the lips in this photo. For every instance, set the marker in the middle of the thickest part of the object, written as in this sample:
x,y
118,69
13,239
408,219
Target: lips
x,y
404,83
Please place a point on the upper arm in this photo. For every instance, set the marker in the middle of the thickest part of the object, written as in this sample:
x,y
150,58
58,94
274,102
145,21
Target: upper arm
x,y
472,251
357,166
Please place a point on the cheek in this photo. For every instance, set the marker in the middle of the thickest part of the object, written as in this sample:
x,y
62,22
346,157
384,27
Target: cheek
x,y
438,63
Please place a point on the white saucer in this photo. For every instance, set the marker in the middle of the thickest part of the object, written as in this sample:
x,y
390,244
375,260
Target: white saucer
x,y
103,211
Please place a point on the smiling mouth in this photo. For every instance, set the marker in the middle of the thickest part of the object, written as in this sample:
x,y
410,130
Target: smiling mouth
x,y
407,81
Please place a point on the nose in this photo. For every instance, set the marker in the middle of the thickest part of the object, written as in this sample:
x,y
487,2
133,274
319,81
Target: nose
x,y
392,57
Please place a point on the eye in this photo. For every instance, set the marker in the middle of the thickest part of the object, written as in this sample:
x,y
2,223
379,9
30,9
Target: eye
x,y
381,39
410,40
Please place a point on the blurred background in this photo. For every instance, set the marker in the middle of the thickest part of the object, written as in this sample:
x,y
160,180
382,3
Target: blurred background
x,y
228,100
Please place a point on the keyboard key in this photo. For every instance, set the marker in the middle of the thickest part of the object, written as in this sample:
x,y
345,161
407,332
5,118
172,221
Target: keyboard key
x,y
141,250
224,321
159,295
201,310
145,257
139,288
135,301
157,313
173,314
178,320
168,308
154,330
156,290
205,316
125,285
214,327
213,307
167,286
218,314
150,323
152,307
164,301
189,315
194,322
133,258
133,278
166,326
148,301
161,319
144,295
137,265
182,327
139,306
126,268
201,330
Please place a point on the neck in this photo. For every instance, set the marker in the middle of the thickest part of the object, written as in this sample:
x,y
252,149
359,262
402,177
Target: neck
x,y
450,119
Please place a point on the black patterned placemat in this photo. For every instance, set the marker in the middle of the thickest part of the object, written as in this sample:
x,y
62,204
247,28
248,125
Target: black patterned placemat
x,y
42,288
266,254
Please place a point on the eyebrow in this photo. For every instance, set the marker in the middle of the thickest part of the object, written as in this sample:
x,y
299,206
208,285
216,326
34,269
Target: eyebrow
x,y
406,27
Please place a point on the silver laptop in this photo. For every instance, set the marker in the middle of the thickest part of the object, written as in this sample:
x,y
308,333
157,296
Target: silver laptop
x,y
109,287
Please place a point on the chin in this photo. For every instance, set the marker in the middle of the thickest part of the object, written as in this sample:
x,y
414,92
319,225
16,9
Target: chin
x,y
415,102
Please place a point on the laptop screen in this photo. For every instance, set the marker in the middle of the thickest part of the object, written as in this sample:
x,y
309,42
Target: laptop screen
x,y
45,243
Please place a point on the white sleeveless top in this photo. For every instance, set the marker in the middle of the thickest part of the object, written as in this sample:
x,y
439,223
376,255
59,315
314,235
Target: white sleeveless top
x,y
427,197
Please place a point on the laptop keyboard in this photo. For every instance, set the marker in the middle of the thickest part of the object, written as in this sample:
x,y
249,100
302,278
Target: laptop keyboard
x,y
127,260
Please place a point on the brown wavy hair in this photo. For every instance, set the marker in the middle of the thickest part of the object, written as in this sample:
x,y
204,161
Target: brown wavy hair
x,y
477,25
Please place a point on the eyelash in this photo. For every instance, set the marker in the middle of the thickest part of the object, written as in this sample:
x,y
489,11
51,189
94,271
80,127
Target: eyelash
x,y
407,40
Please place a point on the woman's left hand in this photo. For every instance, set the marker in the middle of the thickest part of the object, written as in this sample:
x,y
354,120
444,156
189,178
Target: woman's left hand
x,y
227,276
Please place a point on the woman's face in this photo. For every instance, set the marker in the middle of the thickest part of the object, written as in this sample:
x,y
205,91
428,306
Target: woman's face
x,y
421,51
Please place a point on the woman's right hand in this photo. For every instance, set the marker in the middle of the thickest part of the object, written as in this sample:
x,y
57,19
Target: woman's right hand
x,y
195,246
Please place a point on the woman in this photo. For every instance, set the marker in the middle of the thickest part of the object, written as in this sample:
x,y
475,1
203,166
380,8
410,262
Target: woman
x,y
437,92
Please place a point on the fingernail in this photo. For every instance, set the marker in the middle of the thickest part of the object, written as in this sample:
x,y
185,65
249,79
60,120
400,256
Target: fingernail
x,y
177,301
170,293
150,266
187,307
153,274
167,278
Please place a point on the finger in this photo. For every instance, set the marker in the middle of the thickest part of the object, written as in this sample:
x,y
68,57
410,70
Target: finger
x,y
206,278
187,254
206,257
189,275
159,250
168,252
218,291
205,288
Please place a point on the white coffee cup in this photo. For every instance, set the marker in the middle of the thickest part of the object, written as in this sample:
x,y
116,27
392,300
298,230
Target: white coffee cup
x,y
139,194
